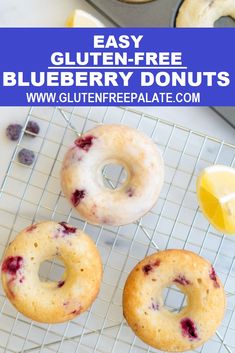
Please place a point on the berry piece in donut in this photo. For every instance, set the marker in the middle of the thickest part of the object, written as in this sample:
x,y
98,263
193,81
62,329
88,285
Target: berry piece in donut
x,y
76,311
213,277
182,280
85,143
189,329
68,229
31,228
12,264
77,196
64,230
130,192
60,284
154,305
150,267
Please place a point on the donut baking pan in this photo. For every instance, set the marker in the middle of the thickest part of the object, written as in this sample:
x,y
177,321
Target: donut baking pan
x,y
155,13
33,194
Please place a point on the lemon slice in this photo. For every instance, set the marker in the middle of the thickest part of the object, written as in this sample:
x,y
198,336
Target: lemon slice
x,y
216,195
80,18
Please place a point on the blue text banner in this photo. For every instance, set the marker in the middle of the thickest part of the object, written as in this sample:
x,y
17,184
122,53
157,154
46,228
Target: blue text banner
x,y
117,66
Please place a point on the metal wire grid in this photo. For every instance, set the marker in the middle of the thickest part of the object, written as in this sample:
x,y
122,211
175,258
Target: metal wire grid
x,y
33,194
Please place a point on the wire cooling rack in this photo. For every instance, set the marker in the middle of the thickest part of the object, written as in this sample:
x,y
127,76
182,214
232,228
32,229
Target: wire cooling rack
x,y
33,194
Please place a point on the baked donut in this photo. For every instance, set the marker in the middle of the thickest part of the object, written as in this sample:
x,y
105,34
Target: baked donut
x,y
136,1
82,180
204,13
144,308
51,302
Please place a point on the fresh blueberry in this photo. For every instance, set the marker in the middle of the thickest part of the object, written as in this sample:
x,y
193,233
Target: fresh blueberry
x,y
32,129
26,156
13,131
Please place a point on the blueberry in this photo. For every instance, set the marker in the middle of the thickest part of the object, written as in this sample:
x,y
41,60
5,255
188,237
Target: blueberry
x,y
26,157
13,131
32,129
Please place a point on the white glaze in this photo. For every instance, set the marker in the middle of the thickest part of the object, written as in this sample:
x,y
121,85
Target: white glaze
x,y
204,13
82,170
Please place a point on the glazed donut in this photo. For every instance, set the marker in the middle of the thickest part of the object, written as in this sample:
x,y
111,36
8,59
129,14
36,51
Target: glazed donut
x,y
82,180
204,13
136,1
51,302
152,322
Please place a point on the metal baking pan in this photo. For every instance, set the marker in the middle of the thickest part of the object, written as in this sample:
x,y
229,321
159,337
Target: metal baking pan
x,y
156,13
227,113
159,13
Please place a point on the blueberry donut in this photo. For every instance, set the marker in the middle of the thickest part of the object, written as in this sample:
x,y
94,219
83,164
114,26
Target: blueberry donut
x,y
82,180
204,13
51,302
144,308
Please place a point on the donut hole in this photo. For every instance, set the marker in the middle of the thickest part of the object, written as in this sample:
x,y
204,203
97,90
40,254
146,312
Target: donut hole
x,y
225,21
174,300
51,270
114,175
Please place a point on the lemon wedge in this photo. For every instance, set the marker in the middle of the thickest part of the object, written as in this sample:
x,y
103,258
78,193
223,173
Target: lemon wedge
x,y
81,18
216,196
